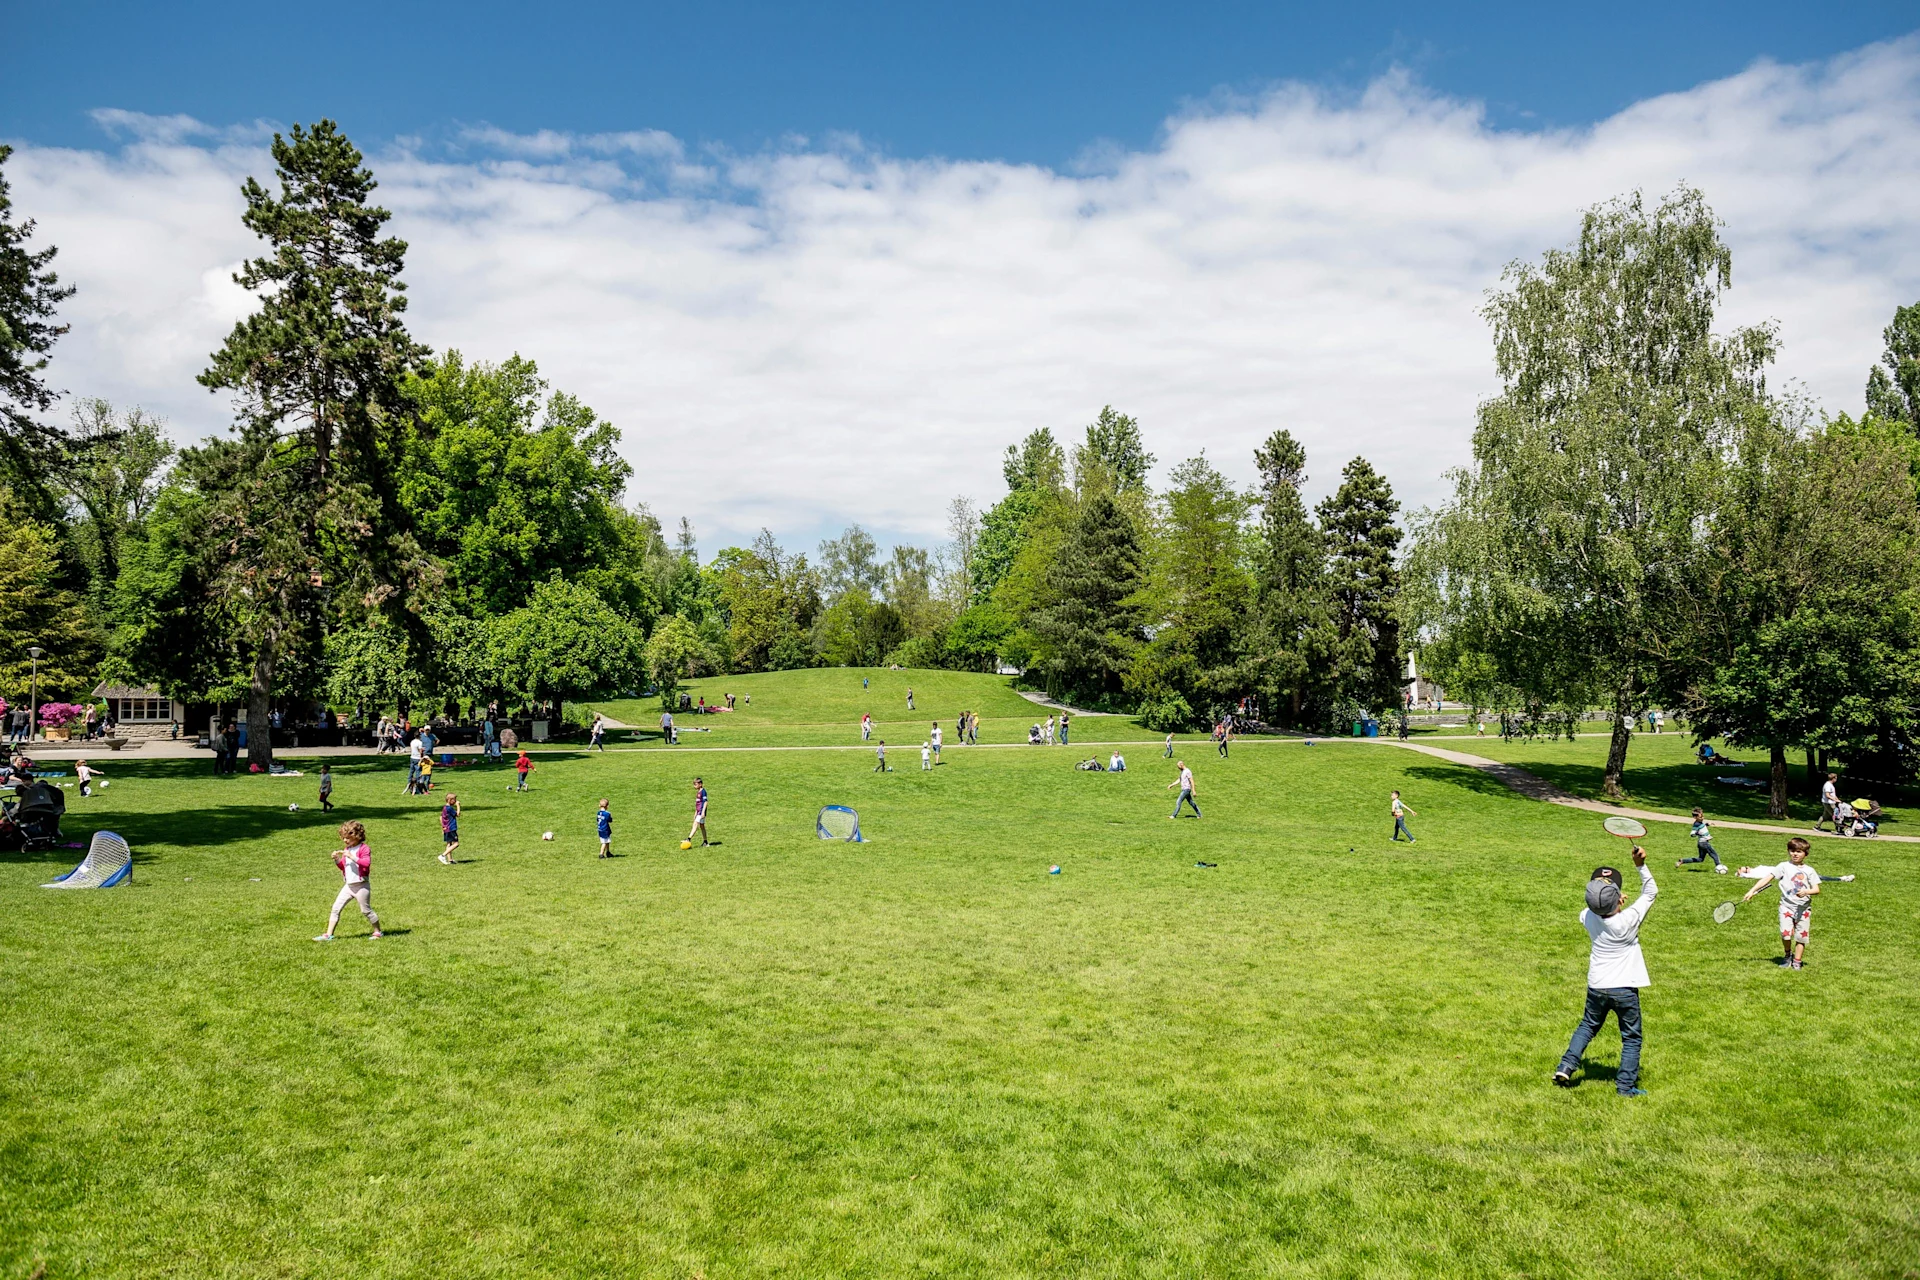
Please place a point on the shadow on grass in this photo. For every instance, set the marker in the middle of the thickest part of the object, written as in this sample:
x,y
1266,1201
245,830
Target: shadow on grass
x,y
1678,788
1464,777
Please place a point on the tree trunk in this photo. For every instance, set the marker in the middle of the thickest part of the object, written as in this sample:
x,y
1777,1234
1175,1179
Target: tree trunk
x,y
1777,794
1617,748
1813,774
259,698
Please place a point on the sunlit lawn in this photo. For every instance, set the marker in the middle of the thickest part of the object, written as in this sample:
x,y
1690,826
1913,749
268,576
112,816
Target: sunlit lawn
x,y
924,1055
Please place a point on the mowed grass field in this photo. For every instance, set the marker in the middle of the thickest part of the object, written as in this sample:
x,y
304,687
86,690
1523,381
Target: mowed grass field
x,y
924,1055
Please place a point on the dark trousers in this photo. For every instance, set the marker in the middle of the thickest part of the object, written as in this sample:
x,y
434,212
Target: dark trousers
x,y
1400,828
1624,1003
1706,851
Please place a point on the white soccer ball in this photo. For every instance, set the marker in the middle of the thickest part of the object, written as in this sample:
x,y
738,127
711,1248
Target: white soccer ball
x,y
105,783
293,808
547,835
1721,869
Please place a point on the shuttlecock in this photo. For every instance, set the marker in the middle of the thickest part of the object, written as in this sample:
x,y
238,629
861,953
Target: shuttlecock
x,y
546,835
1053,870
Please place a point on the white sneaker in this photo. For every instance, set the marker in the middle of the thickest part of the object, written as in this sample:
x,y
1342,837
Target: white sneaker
x,y
443,860
325,937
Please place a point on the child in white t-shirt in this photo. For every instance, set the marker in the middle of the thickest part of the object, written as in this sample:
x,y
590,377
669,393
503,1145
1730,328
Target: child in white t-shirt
x,y
926,756
356,869
86,773
1799,885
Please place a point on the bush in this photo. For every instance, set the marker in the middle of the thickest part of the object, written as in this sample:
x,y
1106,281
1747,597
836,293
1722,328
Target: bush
x,y
1168,713
921,651
55,714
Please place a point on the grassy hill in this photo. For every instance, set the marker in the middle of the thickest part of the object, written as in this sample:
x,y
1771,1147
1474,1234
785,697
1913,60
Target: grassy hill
x,y
1326,1055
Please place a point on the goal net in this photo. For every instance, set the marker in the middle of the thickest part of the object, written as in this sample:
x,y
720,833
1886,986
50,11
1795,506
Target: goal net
x,y
837,822
108,862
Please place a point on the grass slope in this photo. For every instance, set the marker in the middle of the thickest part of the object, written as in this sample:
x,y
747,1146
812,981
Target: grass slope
x,y
924,1055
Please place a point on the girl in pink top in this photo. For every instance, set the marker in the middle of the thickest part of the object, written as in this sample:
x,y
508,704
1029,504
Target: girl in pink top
x,y
356,867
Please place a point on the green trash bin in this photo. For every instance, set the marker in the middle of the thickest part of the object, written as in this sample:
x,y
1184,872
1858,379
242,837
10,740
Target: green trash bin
x,y
1359,729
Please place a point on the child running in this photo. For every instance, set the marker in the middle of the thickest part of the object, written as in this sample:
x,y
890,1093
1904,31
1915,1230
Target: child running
x,y
699,812
87,774
524,765
603,823
356,866
1400,812
1703,841
326,788
1799,885
450,827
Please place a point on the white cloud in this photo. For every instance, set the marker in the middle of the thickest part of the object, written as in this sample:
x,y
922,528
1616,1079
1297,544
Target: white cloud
x,y
819,334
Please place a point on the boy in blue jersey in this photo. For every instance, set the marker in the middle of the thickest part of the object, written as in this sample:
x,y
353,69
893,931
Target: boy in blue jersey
x,y
604,823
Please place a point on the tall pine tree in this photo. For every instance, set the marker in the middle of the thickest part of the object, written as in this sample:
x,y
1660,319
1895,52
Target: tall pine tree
x,y
1363,584
30,293
1091,630
309,531
1291,635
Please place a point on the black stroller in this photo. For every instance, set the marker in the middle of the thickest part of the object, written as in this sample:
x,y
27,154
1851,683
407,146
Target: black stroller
x,y
37,817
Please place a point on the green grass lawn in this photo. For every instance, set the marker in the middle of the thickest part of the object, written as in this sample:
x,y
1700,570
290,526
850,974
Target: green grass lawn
x,y
924,1055
823,707
1661,774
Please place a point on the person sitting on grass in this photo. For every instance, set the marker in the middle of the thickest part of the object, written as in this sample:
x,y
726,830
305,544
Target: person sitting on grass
x,y
356,866
1616,971
1118,764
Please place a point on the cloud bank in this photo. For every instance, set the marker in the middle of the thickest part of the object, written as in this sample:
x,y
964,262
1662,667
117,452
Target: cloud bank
x,y
820,334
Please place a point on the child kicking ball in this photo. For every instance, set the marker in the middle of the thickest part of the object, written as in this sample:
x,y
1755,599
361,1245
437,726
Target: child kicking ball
x,y
1799,885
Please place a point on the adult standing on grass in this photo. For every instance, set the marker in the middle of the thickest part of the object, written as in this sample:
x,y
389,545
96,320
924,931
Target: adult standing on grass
x,y
1615,973
356,866
1400,812
666,727
599,733
699,812
909,697
1185,783
416,750
1799,885
935,740
1065,725
1168,753
1829,802
866,726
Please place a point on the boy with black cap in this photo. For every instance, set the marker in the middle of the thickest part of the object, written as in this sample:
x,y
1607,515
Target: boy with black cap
x,y
1615,973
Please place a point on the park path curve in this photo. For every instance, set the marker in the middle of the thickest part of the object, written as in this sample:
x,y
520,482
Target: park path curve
x,y
1535,787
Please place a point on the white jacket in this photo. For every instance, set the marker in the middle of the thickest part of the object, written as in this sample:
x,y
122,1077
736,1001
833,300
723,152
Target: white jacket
x,y
1616,959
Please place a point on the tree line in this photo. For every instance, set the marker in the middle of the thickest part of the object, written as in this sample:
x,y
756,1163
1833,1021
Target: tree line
x,y
1644,522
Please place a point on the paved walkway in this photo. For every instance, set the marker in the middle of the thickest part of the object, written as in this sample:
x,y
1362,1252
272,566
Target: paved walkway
x,y
1042,700
1535,787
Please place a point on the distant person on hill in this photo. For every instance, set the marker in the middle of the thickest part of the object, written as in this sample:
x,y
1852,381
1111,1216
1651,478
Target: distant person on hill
x,y
863,682
880,752
356,867
1185,783
926,756
909,698
1118,764
1168,753
866,727
1616,971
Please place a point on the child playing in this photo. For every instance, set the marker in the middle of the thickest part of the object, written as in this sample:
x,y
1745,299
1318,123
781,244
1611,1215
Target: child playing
x,y
1616,970
450,827
603,822
881,752
326,788
926,757
1400,812
356,866
1703,840
699,811
1799,884
87,775
866,727
426,774
523,764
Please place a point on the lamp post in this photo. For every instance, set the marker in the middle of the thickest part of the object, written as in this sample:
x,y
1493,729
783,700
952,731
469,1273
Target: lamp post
x,y
33,699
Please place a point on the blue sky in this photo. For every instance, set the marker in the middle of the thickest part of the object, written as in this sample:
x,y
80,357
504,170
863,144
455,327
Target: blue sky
x,y
824,265
1020,82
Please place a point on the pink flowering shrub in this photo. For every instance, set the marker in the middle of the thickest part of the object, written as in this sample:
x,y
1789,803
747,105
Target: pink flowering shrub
x,y
55,714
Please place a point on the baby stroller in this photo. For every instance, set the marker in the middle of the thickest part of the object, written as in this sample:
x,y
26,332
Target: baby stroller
x,y
1861,818
1034,737
38,816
